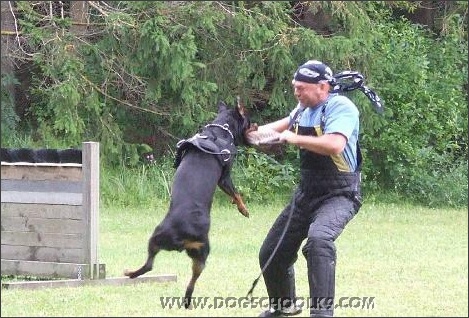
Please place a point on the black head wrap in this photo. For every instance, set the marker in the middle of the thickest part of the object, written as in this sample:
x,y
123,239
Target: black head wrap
x,y
315,72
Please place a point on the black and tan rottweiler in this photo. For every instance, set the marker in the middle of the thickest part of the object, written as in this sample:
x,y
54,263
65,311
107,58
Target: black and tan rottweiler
x,y
203,162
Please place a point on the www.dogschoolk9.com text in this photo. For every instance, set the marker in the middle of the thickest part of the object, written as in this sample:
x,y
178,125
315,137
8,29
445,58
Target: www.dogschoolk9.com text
x,y
358,303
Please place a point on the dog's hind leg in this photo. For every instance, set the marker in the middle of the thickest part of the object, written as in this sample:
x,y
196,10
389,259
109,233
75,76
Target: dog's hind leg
x,y
153,249
199,256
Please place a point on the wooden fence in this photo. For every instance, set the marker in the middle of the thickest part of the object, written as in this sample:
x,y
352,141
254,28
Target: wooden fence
x,y
50,218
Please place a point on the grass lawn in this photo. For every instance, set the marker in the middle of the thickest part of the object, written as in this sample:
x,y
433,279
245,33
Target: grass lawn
x,y
411,261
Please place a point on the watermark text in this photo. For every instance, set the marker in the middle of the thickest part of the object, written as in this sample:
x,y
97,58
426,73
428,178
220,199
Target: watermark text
x,y
355,302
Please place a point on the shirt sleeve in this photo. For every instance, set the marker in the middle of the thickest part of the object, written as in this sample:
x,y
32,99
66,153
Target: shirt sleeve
x,y
341,117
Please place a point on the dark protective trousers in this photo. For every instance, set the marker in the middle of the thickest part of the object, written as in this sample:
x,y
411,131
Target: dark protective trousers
x,y
321,220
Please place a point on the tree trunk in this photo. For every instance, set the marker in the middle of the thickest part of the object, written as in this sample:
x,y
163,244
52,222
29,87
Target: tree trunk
x,y
79,15
425,14
8,40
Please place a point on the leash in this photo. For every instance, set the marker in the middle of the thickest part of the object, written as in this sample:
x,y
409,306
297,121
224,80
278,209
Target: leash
x,y
293,121
254,283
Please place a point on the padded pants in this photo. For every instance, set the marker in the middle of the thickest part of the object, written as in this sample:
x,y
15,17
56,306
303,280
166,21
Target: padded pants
x,y
320,220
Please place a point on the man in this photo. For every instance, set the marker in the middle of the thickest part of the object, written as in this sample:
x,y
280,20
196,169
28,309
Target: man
x,y
325,128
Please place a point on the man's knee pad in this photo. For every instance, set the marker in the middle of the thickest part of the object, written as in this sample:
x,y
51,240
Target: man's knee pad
x,y
319,247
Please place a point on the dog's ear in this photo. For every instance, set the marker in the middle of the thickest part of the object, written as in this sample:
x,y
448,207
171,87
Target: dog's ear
x,y
222,106
240,107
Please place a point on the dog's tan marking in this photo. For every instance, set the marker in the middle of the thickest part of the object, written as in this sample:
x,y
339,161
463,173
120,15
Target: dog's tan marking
x,y
192,244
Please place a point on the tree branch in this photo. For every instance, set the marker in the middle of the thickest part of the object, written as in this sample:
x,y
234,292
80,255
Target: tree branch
x,y
121,101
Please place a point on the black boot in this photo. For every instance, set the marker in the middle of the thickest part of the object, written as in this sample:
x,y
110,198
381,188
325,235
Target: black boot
x,y
284,312
284,306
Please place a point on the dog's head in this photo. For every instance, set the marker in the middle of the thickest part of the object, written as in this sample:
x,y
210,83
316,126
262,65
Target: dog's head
x,y
237,119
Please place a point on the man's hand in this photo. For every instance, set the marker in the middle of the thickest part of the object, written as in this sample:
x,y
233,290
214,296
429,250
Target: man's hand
x,y
286,136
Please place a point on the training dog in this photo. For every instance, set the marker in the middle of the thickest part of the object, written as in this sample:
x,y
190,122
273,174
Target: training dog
x,y
202,162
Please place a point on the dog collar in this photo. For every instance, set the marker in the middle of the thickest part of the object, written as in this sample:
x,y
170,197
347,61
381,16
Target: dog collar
x,y
224,127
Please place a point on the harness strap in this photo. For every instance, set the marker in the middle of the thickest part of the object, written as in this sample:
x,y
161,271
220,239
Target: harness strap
x,y
205,141
206,145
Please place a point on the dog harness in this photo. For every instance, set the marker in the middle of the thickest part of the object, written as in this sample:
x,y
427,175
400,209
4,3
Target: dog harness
x,y
209,142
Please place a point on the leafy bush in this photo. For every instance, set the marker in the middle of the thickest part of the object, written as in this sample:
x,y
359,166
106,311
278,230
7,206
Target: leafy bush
x,y
424,137
9,117
259,176
151,68
136,186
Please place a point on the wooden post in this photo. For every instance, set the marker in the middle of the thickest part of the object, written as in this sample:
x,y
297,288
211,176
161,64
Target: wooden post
x,y
90,158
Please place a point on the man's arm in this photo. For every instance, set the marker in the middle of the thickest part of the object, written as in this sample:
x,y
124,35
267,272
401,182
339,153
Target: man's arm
x,y
328,144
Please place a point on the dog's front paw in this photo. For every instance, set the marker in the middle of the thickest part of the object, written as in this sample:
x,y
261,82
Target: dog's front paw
x,y
240,204
243,211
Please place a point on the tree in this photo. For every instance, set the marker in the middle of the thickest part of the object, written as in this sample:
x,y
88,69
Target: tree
x,y
150,72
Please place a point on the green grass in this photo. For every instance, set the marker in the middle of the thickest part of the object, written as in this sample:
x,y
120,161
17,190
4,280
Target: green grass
x,y
412,260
